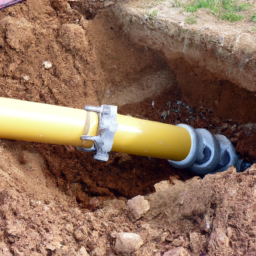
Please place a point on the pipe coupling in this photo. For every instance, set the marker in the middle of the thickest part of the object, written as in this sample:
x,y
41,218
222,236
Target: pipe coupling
x,y
103,141
208,154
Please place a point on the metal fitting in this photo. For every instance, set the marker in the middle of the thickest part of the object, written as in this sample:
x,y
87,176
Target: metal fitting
x,y
209,153
103,142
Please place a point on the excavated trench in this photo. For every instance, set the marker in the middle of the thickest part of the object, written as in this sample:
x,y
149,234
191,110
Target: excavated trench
x,y
55,200
95,62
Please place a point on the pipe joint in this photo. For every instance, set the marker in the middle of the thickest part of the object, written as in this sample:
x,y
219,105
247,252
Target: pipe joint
x,y
103,141
209,153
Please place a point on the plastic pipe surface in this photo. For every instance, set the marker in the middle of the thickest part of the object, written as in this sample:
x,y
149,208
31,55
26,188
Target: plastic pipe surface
x,y
37,122
147,138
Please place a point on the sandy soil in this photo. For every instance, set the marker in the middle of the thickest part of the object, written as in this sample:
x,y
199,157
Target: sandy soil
x,y
57,201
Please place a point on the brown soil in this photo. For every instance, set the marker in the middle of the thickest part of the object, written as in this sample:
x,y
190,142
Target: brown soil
x,y
55,200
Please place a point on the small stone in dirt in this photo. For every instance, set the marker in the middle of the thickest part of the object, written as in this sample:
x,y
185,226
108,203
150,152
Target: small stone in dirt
x,y
82,252
69,228
108,3
196,242
177,242
84,23
138,206
127,243
47,64
180,251
164,115
51,247
78,235
229,232
219,239
26,78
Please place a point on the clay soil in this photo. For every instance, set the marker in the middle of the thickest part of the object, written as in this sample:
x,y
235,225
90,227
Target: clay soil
x,y
55,200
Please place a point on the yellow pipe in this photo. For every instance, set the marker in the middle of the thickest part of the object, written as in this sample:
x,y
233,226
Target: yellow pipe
x,y
37,122
153,139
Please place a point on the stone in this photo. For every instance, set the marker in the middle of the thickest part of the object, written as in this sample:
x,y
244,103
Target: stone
x,y
180,251
196,242
219,239
82,252
138,206
47,64
78,235
177,242
127,243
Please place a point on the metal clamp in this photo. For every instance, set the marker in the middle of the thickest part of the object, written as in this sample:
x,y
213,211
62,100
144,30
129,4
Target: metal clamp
x,y
103,141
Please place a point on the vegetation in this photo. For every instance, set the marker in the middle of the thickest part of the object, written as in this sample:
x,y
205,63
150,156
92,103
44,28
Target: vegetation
x,y
225,9
191,19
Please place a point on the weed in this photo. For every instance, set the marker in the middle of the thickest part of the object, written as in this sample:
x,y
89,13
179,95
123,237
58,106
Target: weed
x,y
152,16
191,20
232,17
253,17
254,28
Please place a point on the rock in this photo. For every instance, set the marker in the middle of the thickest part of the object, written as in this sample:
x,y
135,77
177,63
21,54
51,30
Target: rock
x,y
219,239
82,252
26,78
180,251
78,235
229,232
196,242
108,3
47,64
84,23
138,206
127,243
69,227
50,247
177,242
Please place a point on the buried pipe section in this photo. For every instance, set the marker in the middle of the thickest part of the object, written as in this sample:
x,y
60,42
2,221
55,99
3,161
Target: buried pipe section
x,y
101,130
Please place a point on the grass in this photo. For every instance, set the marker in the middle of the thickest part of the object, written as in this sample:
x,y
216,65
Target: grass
x,y
152,16
225,9
253,17
191,20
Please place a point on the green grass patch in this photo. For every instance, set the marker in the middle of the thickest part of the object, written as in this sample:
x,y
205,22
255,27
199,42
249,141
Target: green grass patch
x,y
225,9
232,17
253,17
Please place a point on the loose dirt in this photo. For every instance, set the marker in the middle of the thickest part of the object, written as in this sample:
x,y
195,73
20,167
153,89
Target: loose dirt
x,y
58,201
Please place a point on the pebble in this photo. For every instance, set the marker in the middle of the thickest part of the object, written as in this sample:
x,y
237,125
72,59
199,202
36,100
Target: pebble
x,y
127,243
164,115
229,232
26,78
180,251
78,235
82,252
47,64
138,206
177,242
